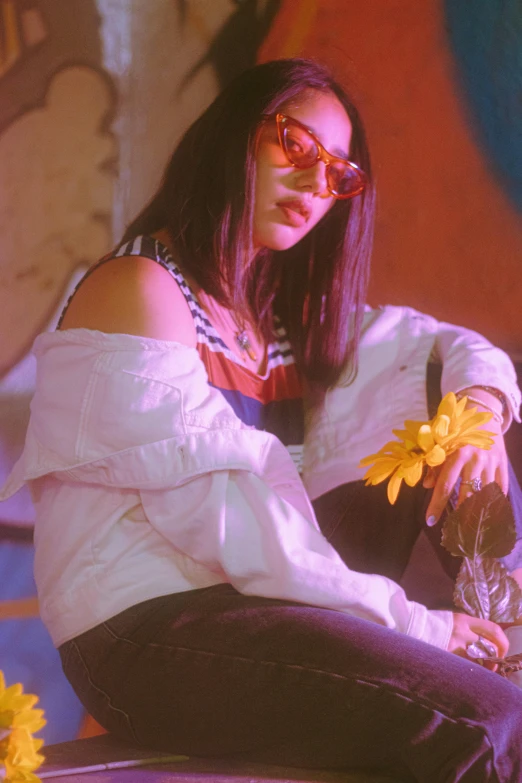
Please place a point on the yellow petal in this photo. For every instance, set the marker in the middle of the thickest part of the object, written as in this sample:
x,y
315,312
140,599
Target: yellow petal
x,y
413,473
478,439
23,701
401,434
390,449
408,441
461,406
6,718
460,421
393,447
369,459
425,438
381,470
394,486
22,751
10,693
440,427
413,427
447,405
474,422
32,720
22,776
436,456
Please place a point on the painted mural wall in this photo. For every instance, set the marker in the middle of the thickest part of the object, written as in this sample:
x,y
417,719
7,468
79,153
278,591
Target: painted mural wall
x,y
440,89
94,95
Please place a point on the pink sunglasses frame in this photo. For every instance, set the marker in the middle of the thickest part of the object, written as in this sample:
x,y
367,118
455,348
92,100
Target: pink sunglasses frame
x,y
322,155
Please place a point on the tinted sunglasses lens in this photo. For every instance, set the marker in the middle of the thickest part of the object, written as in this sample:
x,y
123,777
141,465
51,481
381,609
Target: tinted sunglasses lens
x,y
345,181
299,147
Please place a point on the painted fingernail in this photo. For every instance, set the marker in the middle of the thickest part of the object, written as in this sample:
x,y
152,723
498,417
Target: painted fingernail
x,y
432,520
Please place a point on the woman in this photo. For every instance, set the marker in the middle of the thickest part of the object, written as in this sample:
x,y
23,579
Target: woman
x,y
181,572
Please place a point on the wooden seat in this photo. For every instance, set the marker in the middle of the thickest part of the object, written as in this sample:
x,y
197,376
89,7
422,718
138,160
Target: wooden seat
x,y
107,760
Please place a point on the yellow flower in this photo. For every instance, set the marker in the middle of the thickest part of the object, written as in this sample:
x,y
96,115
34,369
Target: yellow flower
x,y
18,720
427,443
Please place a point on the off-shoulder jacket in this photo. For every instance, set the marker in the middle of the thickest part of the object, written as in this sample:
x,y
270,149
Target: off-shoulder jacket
x,y
146,483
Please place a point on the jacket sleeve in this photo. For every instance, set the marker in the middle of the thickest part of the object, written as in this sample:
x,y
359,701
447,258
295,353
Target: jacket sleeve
x,y
468,359
141,416
256,532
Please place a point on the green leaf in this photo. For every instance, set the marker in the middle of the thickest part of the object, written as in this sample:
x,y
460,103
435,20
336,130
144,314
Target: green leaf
x,y
485,589
482,526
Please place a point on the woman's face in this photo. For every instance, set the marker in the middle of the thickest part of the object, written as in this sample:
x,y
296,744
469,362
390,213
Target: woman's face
x,y
289,201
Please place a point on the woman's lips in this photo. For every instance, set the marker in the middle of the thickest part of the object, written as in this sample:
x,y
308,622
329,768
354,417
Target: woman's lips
x,y
295,212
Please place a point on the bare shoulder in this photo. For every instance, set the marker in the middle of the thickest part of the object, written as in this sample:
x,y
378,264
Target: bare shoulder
x,y
132,295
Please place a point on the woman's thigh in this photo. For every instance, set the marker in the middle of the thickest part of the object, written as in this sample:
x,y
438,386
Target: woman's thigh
x,y
369,533
375,537
215,672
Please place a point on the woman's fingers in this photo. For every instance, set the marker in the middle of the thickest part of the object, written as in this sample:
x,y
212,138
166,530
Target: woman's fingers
x,y
476,469
430,478
494,633
467,630
502,476
466,464
445,482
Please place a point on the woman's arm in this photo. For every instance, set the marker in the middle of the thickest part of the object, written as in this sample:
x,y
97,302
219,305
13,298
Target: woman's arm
x,y
469,364
469,361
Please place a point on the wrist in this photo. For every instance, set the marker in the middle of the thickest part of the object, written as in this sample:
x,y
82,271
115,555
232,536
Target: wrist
x,y
490,395
481,397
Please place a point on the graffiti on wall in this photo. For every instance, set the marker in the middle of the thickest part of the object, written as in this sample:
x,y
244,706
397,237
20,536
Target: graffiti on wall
x,y
56,175
59,103
56,153
236,45
487,45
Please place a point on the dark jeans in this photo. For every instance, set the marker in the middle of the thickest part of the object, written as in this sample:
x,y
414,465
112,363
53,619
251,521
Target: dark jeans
x,y
375,537
215,672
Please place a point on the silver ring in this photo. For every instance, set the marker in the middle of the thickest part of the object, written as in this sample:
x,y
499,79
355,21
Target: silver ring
x,y
482,648
474,483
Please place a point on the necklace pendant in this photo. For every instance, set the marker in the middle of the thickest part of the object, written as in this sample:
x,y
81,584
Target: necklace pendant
x,y
244,344
251,353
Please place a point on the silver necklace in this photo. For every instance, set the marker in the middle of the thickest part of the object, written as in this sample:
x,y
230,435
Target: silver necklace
x,y
243,341
241,337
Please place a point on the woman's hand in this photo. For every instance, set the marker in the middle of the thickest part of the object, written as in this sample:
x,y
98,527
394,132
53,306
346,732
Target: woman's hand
x,y
467,629
467,463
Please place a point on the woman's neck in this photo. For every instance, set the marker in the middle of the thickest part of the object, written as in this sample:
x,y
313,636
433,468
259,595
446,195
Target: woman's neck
x,y
233,331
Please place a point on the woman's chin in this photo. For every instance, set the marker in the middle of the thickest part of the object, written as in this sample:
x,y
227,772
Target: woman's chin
x,y
279,239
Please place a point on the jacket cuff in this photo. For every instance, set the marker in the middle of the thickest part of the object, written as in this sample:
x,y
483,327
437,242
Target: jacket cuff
x,y
431,626
509,389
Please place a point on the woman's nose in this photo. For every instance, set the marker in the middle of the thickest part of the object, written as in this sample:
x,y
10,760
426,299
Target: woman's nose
x,y
313,179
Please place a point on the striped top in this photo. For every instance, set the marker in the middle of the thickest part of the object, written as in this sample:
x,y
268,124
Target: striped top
x,y
271,402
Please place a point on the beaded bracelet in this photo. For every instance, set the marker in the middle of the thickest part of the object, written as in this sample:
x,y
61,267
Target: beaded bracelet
x,y
500,396
496,415
496,393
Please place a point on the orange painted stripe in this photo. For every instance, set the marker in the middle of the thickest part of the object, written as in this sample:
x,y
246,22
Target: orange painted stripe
x,y
90,728
19,609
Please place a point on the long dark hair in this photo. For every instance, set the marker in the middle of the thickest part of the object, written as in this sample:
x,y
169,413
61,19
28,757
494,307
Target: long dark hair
x,y
206,202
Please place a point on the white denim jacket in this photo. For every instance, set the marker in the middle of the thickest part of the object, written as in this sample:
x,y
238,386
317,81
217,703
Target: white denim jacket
x,y
390,387
146,483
